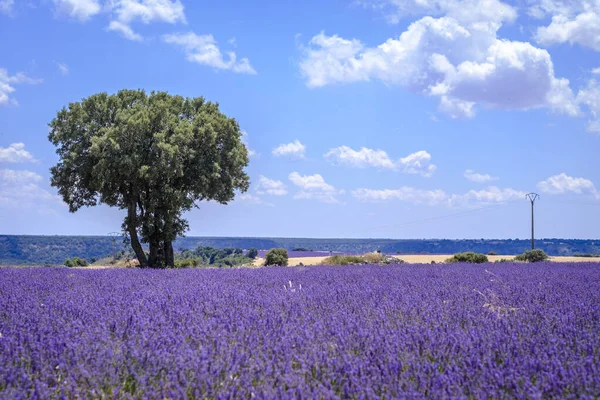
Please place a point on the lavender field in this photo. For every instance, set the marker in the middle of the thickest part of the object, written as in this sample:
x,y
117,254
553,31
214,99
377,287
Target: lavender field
x,y
451,331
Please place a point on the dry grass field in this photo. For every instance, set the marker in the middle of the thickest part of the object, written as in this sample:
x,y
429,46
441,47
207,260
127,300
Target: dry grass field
x,y
411,259
423,259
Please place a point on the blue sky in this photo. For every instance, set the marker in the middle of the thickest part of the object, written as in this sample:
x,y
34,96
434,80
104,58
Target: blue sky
x,y
373,118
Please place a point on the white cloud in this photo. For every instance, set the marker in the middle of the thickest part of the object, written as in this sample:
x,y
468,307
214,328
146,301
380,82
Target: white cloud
x,y
574,22
145,11
6,6
465,11
584,30
81,10
590,97
596,71
7,82
15,153
63,68
203,49
416,163
125,30
270,186
491,195
362,158
563,183
314,187
251,152
479,178
249,198
18,176
20,189
294,149
457,58
405,193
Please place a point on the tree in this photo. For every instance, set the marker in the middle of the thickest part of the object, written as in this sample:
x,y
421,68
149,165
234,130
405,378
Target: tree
x,y
536,255
276,257
252,253
155,156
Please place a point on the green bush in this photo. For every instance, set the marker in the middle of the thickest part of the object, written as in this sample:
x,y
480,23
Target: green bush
x,y
276,257
300,249
492,253
76,262
252,253
532,256
339,259
468,257
503,260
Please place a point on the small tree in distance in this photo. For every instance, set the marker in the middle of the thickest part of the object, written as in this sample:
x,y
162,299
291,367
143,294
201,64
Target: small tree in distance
x,y
252,253
276,257
536,255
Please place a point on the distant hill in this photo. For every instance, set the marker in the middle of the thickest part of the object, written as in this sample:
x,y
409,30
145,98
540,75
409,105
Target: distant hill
x,y
39,250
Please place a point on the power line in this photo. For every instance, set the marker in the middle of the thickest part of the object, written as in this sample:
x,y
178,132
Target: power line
x,y
425,220
582,203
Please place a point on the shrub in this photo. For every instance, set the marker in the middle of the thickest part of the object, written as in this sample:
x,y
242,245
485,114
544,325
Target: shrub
x,y
300,249
276,257
187,262
532,256
492,253
468,257
374,258
339,259
76,262
503,260
252,253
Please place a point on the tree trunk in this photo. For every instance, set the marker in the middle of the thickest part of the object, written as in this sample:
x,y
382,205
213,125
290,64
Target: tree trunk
x,y
153,259
169,254
133,236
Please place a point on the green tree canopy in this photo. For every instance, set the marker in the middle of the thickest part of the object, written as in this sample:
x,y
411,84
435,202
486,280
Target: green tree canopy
x,y
154,155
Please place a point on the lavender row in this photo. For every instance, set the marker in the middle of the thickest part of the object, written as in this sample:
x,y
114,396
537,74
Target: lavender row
x,y
460,331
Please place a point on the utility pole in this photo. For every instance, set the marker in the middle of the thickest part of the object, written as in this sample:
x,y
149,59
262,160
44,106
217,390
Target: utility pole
x,y
114,236
532,197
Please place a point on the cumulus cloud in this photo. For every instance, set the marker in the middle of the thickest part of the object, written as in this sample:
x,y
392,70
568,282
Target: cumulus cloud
x,y
6,7
584,30
270,186
465,11
15,153
405,193
126,12
590,97
415,163
123,13
563,183
491,195
362,158
7,83
457,58
479,178
314,187
19,188
294,149
203,49
81,10
574,22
